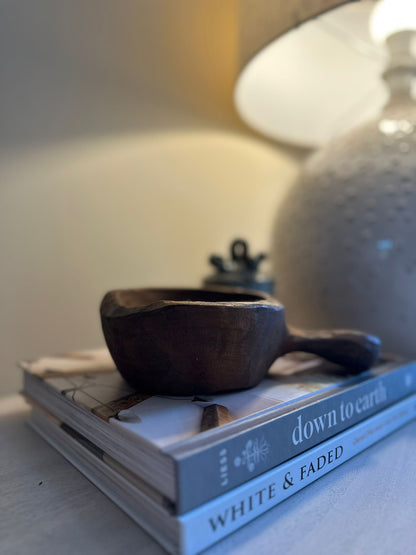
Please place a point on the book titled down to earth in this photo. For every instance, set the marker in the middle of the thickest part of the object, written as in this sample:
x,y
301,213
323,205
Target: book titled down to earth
x,y
193,469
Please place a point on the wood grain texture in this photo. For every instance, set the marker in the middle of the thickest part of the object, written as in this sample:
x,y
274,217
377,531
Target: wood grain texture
x,y
191,342
196,341
367,505
356,350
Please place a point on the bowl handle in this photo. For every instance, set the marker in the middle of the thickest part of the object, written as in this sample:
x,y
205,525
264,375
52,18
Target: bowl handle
x,y
355,350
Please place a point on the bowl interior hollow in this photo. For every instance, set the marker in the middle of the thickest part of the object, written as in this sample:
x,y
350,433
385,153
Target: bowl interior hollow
x,y
131,298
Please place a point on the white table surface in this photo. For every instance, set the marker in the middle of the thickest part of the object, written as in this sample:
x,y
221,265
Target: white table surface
x,y
366,506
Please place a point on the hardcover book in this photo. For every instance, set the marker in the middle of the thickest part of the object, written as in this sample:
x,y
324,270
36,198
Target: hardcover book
x,y
185,452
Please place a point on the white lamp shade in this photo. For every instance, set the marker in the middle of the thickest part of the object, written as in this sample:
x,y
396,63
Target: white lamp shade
x,y
316,81
391,16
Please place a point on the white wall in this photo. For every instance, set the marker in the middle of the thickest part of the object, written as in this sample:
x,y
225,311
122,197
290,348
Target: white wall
x,y
121,161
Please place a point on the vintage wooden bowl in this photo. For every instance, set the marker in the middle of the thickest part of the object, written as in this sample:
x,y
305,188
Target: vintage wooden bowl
x,y
192,341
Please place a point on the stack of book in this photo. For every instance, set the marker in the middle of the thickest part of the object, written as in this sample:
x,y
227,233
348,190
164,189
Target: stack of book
x,y
192,470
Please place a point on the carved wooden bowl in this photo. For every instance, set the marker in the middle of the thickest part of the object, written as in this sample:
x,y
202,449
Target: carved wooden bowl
x,y
192,341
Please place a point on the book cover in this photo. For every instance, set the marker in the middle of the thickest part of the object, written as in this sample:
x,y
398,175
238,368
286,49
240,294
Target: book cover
x,y
198,529
230,438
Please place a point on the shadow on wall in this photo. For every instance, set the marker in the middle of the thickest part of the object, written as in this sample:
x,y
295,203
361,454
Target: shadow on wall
x,y
122,162
83,217
79,68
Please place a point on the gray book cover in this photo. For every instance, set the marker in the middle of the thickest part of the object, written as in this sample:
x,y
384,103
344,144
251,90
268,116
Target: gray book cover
x,y
298,426
218,442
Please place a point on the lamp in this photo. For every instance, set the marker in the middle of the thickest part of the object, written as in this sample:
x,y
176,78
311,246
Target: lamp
x,y
316,81
343,243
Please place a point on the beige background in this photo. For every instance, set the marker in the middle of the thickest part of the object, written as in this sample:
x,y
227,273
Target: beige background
x,y
122,161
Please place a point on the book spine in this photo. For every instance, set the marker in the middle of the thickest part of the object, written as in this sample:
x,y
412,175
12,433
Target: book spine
x,y
216,519
235,460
